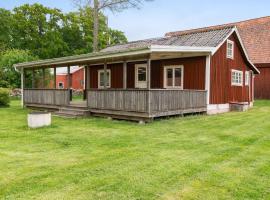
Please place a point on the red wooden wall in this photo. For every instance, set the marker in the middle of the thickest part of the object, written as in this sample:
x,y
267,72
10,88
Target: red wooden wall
x,y
222,91
194,73
63,79
262,82
76,79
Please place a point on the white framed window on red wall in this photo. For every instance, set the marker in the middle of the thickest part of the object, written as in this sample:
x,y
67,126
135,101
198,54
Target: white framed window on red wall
x,y
174,76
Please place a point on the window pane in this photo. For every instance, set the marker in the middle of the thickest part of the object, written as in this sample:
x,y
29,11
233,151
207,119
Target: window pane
x,y
101,79
178,77
169,75
108,79
141,74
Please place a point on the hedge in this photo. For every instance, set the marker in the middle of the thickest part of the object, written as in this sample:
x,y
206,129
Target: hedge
x,y
4,97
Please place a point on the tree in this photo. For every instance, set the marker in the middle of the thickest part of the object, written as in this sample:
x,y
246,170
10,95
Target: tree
x,y
5,29
37,28
9,77
112,5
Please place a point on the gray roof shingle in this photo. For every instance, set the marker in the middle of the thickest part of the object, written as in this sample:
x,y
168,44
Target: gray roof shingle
x,y
210,38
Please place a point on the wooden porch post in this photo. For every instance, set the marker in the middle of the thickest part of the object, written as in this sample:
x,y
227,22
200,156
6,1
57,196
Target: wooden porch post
x,y
105,75
85,82
33,78
69,83
148,74
125,75
22,87
148,69
54,77
43,78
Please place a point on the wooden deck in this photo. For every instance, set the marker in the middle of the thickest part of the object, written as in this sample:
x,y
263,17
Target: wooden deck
x,y
146,103
130,104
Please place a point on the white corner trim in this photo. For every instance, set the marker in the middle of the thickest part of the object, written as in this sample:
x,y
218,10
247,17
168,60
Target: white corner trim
x,y
207,78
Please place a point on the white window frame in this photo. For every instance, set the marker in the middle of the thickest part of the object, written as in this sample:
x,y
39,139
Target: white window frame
x,y
234,83
173,67
227,49
62,84
247,78
139,84
108,80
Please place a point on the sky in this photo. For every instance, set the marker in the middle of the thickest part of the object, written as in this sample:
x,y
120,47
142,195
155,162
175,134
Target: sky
x,y
158,17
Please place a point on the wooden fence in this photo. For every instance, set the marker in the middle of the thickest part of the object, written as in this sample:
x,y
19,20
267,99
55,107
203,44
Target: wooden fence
x,y
47,96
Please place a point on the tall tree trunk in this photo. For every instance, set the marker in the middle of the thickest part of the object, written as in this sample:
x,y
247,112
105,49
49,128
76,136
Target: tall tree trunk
x,y
96,26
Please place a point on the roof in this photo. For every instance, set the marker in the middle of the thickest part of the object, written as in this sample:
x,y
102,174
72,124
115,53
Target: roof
x,y
210,38
255,35
204,41
102,56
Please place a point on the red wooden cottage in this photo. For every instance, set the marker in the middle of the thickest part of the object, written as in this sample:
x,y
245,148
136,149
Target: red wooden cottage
x,y
255,34
198,71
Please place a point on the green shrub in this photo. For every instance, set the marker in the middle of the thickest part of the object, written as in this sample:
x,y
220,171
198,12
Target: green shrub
x,y
4,97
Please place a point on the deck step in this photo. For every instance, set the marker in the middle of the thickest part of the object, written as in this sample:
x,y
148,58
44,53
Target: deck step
x,y
65,115
73,112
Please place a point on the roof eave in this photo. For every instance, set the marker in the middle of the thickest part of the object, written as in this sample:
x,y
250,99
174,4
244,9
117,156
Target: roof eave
x,y
107,55
82,58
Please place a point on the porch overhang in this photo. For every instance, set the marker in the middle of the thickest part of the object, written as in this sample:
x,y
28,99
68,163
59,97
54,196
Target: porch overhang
x,y
151,52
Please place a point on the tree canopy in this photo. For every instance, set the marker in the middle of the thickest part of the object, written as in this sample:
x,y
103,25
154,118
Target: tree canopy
x,y
49,33
31,32
9,76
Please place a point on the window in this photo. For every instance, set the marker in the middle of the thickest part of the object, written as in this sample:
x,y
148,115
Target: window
x,y
247,78
237,78
60,85
82,82
140,76
230,47
173,77
101,79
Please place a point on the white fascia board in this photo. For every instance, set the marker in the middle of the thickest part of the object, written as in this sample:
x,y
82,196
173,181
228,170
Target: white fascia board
x,y
245,51
217,48
163,48
242,45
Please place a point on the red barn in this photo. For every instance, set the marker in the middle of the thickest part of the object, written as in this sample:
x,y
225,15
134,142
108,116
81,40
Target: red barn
x,y
77,79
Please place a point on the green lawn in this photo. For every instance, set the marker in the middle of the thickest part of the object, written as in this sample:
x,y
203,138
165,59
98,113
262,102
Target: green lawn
x,y
199,157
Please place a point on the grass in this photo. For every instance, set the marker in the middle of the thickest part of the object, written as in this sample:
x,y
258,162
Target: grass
x,y
200,157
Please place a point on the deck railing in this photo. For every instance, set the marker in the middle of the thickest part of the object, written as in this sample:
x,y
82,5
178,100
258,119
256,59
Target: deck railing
x,y
154,102
58,97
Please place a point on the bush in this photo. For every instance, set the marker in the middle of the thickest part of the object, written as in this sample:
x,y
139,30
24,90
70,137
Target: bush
x,y
4,97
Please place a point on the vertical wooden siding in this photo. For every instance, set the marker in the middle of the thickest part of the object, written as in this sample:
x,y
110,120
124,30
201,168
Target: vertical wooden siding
x,y
221,89
116,75
262,83
194,73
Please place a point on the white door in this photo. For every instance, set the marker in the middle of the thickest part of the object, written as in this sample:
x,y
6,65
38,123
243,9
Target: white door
x,y
141,76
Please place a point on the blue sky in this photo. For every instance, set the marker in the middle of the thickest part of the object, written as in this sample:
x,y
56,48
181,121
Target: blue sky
x,y
156,18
